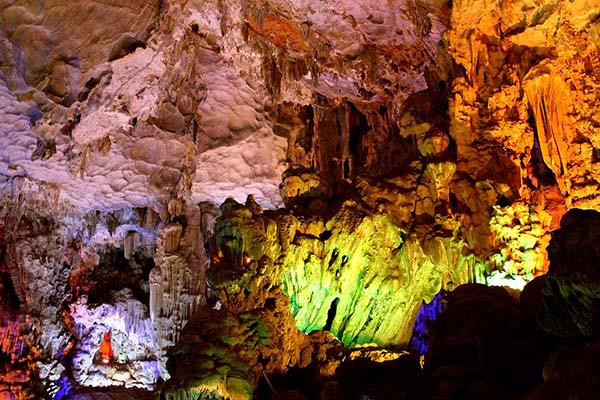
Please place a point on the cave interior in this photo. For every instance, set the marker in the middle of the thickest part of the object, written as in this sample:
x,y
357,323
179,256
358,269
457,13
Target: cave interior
x,y
277,199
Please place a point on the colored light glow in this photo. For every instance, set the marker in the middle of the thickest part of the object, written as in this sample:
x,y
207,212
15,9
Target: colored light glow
x,y
64,389
501,278
106,351
366,284
521,234
428,312
69,348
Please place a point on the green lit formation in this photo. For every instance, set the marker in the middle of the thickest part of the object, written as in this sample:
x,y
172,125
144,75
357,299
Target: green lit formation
x,y
214,359
216,356
361,274
349,280
369,278
357,274
520,236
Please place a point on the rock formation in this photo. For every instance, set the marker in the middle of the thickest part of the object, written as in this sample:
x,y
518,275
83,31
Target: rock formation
x,y
388,153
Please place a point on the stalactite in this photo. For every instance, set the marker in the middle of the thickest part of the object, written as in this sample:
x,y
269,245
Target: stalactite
x,y
10,339
548,97
128,244
177,283
433,191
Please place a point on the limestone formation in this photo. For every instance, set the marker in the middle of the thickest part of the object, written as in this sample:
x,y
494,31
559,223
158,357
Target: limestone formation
x,y
357,274
177,284
385,151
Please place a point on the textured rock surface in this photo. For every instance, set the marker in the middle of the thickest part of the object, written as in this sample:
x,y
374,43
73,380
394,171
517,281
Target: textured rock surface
x,y
134,114
529,78
571,290
132,341
416,145
356,274
178,282
211,100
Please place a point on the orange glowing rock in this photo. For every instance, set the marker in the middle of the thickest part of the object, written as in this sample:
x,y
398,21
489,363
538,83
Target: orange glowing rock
x,y
280,31
106,351
68,321
69,348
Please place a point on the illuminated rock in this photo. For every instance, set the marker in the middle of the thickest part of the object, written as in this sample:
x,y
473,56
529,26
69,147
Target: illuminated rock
x,y
513,98
217,356
123,329
426,144
359,275
433,190
520,235
106,352
346,285
546,93
177,285
428,312
302,189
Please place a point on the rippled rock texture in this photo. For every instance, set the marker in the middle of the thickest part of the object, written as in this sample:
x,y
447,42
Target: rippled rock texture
x,y
385,151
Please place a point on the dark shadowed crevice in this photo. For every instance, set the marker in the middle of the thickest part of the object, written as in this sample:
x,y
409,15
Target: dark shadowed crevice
x,y
539,168
331,314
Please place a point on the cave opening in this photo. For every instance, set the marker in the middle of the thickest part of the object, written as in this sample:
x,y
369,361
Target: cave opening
x,y
115,272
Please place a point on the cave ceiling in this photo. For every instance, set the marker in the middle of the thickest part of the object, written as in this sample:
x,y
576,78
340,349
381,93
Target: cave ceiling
x,y
121,113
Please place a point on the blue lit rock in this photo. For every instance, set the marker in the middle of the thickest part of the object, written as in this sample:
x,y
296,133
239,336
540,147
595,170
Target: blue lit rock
x,y
132,338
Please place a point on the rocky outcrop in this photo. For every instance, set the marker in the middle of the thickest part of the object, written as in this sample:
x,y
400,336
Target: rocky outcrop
x,y
74,278
363,278
36,248
571,289
332,268
56,62
215,356
520,94
544,344
133,108
131,337
164,102
248,332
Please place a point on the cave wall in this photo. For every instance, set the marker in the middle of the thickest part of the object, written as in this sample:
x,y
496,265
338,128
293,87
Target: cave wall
x,y
415,146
